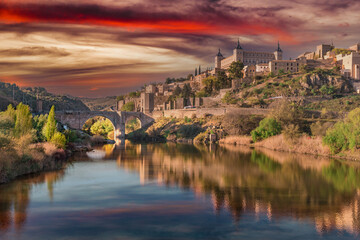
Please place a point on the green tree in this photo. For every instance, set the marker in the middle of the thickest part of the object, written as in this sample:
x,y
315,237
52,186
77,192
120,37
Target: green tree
x,y
235,70
268,127
50,125
38,124
177,91
223,80
10,112
102,127
59,140
128,107
23,122
186,91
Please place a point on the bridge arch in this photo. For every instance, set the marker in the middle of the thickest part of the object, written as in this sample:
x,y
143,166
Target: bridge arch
x,y
77,119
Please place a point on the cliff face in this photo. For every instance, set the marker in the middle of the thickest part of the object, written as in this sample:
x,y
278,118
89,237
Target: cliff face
x,y
317,80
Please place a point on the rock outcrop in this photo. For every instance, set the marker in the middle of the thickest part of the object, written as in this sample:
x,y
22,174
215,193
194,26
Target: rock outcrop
x,y
317,80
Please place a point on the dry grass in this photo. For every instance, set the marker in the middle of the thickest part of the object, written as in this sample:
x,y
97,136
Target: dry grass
x,y
49,148
96,139
303,144
236,140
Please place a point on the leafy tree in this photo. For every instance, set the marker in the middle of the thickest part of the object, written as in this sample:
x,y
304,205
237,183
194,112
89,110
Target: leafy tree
x,y
344,135
10,112
59,140
186,91
38,124
177,91
268,127
229,98
23,122
121,97
223,80
128,107
102,127
50,125
235,70
134,94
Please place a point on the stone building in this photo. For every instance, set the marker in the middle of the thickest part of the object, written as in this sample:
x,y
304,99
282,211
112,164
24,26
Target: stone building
x,y
246,57
355,47
286,65
147,102
322,49
151,89
350,65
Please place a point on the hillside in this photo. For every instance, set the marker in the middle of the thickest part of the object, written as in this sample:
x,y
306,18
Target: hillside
x,y
11,93
96,104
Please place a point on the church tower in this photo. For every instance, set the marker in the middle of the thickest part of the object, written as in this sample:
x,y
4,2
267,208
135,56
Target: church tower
x,y
218,59
278,53
238,52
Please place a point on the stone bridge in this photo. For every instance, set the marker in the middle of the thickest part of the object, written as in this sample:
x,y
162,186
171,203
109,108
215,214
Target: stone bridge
x,y
77,119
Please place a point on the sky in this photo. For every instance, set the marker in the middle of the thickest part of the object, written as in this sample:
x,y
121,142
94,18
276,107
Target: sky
x,y
103,48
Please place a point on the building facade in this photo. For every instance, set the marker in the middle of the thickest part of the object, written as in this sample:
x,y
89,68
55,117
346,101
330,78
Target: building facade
x,y
286,65
350,65
246,57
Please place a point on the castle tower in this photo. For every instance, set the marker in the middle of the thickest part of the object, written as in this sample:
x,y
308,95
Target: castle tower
x,y
218,59
278,53
238,52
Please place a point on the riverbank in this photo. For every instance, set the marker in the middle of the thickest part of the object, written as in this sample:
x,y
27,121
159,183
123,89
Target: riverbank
x,y
303,145
37,158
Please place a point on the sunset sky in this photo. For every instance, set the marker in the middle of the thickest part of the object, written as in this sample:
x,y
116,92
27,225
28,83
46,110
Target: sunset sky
x,y
100,48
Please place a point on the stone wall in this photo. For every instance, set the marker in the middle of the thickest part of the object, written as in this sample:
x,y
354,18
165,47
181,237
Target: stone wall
x,y
201,112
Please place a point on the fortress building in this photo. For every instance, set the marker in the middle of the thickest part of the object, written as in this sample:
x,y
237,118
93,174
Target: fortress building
x,y
246,57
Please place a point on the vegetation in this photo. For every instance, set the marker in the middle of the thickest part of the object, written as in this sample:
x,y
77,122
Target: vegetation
x,y
344,135
102,127
235,70
268,127
230,98
128,107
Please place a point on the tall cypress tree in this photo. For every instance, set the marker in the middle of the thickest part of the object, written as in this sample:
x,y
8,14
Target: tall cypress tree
x,y
50,126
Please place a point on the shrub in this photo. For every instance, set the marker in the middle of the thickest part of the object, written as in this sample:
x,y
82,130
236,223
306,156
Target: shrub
x,y
128,107
201,137
319,128
23,123
229,98
344,135
268,127
59,140
236,124
188,131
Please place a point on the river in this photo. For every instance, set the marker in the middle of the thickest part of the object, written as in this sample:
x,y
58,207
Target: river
x,y
176,191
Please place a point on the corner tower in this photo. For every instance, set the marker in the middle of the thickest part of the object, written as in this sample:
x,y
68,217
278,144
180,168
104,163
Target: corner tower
x,y
238,53
218,59
278,53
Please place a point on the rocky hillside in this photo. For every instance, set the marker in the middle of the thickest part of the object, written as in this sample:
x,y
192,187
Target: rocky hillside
x,y
11,93
96,104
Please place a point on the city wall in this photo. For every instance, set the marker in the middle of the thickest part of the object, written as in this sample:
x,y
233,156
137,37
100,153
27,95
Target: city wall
x,y
201,112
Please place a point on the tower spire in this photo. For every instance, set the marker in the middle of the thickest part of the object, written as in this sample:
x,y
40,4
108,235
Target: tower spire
x,y
219,54
238,44
278,48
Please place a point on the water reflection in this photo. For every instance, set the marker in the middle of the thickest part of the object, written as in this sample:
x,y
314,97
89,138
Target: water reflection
x,y
238,180
15,198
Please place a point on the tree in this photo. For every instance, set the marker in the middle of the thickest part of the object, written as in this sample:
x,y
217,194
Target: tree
x,y
235,70
177,91
268,127
223,80
128,107
39,122
50,125
102,127
186,91
23,122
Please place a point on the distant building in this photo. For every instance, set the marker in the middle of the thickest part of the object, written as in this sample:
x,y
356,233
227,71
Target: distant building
x,y
286,65
355,47
350,65
246,57
322,49
147,102
150,89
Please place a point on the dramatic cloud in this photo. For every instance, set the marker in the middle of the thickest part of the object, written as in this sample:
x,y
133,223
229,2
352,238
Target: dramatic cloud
x,y
97,48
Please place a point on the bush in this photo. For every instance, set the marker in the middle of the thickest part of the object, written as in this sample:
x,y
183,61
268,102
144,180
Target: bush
x,y
344,135
59,140
188,131
229,98
128,107
201,137
319,128
102,127
236,124
268,127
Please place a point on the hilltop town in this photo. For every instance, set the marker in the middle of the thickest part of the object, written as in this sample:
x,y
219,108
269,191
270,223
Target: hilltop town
x,y
251,79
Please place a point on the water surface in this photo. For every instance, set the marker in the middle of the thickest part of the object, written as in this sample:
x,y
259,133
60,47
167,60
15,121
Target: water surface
x,y
174,191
